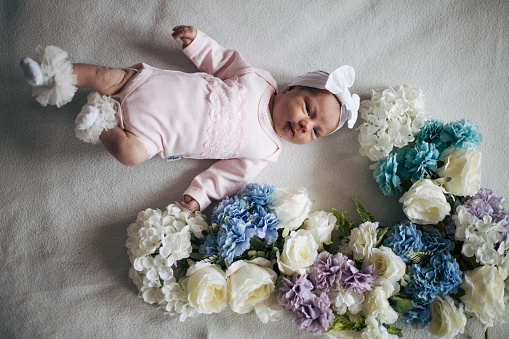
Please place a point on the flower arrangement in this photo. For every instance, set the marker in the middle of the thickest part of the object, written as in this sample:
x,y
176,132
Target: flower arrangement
x,y
265,251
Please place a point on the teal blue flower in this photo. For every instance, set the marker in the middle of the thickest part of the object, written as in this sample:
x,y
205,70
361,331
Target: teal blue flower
x,y
234,237
210,246
435,242
461,134
386,175
430,133
421,160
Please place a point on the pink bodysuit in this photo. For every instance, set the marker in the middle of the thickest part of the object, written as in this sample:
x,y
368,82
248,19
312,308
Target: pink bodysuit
x,y
221,113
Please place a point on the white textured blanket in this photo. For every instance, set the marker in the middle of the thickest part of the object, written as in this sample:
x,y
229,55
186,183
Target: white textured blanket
x,y
65,205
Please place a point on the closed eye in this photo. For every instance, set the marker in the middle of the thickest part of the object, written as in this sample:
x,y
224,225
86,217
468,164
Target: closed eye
x,y
308,110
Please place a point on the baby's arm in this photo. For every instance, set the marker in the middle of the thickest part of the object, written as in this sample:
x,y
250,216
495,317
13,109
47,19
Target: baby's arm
x,y
208,55
224,178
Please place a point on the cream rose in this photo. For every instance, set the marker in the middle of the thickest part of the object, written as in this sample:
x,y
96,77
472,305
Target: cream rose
x,y
298,254
425,203
320,224
249,284
448,320
463,166
484,293
377,305
292,207
205,287
390,267
362,239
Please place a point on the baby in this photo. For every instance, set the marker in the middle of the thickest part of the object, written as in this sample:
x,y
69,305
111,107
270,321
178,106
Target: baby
x,y
230,111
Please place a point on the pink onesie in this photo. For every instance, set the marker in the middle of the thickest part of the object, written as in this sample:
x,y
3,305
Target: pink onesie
x,y
221,113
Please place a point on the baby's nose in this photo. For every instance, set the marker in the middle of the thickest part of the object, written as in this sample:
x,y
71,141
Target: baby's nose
x,y
304,125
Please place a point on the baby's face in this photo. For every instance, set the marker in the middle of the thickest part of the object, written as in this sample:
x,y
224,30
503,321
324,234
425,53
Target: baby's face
x,y
301,115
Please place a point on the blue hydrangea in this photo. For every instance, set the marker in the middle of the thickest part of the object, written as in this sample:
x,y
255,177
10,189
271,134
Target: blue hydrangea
x,y
446,272
461,134
403,238
210,246
421,160
260,194
419,315
430,133
421,286
230,208
265,223
386,175
234,238
439,277
436,242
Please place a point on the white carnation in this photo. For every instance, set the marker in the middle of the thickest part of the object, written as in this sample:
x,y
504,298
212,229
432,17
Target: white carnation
x,y
362,239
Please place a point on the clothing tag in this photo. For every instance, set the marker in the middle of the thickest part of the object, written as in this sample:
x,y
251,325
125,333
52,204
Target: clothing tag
x,y
173,158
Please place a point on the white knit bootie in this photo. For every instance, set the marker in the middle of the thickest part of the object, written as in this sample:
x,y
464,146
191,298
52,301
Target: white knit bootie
x,y
50,75
97,115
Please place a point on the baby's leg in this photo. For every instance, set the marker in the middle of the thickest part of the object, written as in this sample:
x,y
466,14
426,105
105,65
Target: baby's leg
x,y
124,146
105,80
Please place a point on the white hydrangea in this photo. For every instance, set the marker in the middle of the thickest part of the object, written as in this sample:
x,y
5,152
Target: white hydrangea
x,y
391,119
479,236
156,241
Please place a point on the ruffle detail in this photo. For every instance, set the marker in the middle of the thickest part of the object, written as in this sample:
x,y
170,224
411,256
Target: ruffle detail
x,y
228,115
105,120
55,64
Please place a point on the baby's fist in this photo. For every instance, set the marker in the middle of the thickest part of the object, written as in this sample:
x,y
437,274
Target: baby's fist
x,y
189,203
184,33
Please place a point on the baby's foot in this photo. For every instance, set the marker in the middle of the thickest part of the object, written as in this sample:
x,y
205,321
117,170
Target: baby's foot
x,y
33,73
86,117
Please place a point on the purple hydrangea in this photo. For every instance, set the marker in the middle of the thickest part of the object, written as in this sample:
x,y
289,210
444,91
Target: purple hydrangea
x,y
402,238
359,281
293,293
328,269
314,315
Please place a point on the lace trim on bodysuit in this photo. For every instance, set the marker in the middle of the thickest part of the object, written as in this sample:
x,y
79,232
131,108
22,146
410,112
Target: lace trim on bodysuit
x,y
226,132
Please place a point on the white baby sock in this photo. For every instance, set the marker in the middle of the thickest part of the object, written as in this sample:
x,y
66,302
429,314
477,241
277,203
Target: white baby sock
x,y
34,74
86,117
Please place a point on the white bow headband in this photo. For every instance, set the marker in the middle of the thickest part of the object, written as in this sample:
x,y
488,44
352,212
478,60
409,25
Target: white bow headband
x,y
337,83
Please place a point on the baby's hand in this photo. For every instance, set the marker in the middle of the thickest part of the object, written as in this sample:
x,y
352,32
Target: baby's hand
x,y
189,203
184,33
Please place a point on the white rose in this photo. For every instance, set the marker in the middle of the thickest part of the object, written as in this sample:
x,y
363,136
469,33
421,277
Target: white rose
x,y
320,224
463,166
205,287
362,239
249,284
390,267
298,254
377,305
292,207
448,319
484,293
425,203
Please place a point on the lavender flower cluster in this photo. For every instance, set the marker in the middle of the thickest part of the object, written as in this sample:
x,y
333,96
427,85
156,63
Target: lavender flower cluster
x,y
306,298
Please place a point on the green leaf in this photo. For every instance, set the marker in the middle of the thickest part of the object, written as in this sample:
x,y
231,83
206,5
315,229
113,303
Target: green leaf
x,y
181,269
365,216
393,330
380,235
401,303
257,244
